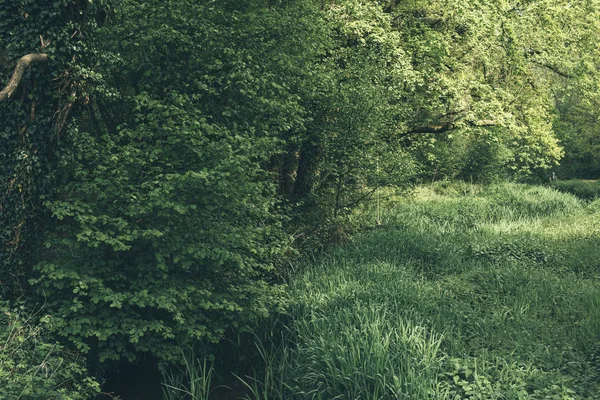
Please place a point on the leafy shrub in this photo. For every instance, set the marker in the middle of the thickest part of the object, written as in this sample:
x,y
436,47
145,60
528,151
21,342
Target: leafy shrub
x,y
165,230
33,367
148,262
495,378
486,159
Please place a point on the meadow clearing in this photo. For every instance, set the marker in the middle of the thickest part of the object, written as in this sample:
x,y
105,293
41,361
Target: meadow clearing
x,y
462,292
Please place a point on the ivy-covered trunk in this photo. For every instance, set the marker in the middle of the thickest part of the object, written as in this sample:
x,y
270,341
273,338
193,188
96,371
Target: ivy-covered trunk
x,y
41,46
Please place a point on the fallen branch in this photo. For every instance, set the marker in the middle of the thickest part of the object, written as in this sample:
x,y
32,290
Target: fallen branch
x,y
23,63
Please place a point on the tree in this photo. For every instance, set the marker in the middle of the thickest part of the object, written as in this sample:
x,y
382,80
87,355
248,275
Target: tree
x,y
154,149
43,55
348,147
488,68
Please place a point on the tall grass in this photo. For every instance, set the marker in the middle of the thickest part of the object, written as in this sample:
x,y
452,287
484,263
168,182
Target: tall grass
x,y
191,381
586,190
463,292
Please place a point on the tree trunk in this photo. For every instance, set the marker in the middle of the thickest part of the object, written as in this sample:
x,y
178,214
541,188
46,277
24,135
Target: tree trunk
x,y
288,172
307,168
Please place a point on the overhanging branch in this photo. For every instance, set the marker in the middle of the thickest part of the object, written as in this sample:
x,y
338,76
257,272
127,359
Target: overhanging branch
x,y
554,69
23,63
433,128
445,127
532,53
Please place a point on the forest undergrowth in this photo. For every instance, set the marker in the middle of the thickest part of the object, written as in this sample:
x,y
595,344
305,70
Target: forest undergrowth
x,y
462,292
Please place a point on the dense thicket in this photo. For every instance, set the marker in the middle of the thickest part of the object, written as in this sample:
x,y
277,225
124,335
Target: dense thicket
x,y
159,157
168,213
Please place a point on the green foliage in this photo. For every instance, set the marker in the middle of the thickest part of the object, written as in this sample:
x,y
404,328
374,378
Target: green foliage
x,y
178,240
153,170
493,378
33,367
267,383
166,228
577,108
492,67
586,190
35,117
349,146
467,205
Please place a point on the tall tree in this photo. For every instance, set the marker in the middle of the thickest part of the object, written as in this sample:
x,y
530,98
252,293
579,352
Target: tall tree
x,y
352,98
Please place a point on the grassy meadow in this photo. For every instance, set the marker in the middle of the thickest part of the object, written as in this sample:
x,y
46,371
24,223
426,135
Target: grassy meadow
x,y
462,292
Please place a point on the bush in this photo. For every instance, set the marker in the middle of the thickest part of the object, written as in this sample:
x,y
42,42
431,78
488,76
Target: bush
x,y
33,367
165,231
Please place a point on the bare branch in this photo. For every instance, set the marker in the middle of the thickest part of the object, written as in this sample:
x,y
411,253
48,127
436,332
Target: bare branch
x,y
22,65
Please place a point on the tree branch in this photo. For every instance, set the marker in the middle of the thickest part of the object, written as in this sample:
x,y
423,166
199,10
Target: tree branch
x,y
448,126
433,128
23,63
530,55
554,69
